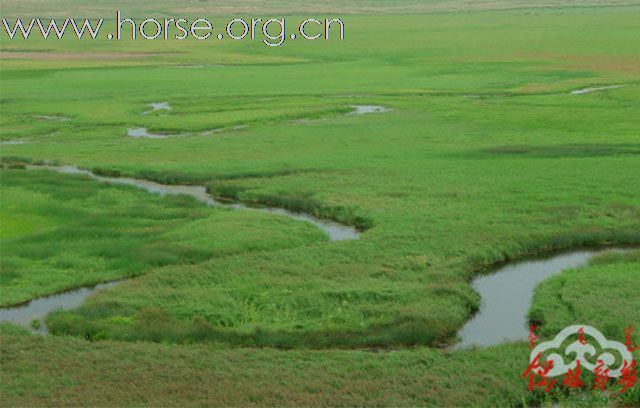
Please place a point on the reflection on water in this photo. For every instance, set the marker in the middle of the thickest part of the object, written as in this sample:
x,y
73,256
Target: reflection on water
x,y
39,308
594,89
507,295
157,106
143,132
364,109
334,230
53,118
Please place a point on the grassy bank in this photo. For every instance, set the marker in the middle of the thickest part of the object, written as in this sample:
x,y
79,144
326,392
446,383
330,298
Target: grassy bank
x,y
63,371
61,232
484,155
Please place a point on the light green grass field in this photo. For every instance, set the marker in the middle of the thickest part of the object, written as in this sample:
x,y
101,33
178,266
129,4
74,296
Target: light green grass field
x,y
65,232
484,156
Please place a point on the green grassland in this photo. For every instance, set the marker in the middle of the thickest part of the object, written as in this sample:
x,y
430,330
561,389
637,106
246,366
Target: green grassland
x,y
66,370
61,232
583,295
484,156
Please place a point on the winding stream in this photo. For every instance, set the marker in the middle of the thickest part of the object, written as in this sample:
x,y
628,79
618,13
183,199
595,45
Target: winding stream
x,y
507,295
144,132
594,89
37,309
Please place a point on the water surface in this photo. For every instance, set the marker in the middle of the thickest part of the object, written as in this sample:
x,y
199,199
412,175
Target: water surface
x,y
364,109
334,230
144,133
38,308
507,295
157,106
53,118
594,89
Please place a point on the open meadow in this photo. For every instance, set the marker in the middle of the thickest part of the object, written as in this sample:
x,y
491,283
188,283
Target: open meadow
x,y
453,137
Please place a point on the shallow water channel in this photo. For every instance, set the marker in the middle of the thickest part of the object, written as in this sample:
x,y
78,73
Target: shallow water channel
x,y
38,308
507,294
144,133
364,109
595,89
157,106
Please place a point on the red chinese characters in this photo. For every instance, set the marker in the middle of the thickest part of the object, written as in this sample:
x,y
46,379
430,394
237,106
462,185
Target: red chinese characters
x,y
602,376
532,336
572,378
629,376
581,337
535,369
623,371
627,333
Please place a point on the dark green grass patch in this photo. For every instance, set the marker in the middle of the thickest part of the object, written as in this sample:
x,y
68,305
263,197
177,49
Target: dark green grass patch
x,y
572,150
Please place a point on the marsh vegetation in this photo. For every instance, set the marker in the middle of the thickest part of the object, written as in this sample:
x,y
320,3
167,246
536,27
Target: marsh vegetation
x,y
481,156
